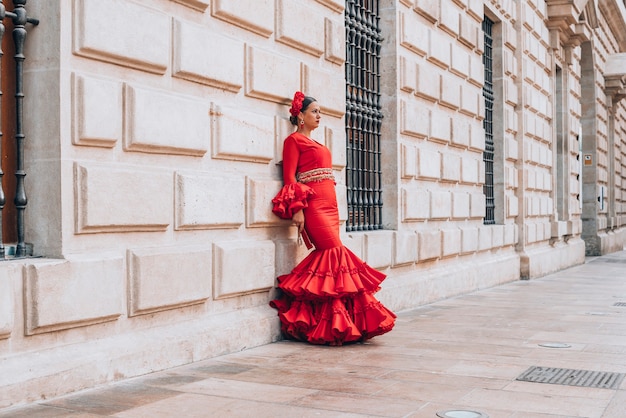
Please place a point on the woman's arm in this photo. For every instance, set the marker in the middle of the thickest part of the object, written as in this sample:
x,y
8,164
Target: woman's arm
x,y
290,161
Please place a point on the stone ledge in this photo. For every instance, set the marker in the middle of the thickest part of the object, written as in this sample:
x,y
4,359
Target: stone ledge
x,y
417,287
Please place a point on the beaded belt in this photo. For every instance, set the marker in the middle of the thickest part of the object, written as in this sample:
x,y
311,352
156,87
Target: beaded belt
x,y
317,174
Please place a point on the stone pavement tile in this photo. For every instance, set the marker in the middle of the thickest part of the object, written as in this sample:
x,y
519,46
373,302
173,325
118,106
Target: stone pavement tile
x,y
447,379
111,399
425,392
489,369
560,390
39,411
277,392
617,406
515,401
378,405
320,380
169,380
203,406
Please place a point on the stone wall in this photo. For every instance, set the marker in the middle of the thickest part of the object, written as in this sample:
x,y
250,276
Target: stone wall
x,y
156,151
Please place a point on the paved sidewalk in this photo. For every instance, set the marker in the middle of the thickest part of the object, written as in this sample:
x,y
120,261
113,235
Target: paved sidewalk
x,y
463,353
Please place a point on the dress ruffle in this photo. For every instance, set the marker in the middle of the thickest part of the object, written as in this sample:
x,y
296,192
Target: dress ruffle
x,y
290,199
329,299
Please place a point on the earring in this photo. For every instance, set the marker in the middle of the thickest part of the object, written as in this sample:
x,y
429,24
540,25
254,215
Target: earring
x,y
302,122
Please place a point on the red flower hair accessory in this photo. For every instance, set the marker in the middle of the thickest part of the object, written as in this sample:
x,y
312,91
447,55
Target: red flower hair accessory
x,y
296,104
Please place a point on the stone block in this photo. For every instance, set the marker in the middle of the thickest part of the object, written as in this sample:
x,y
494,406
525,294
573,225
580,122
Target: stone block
x,y
477,69
511,95
342,202
254,15
205,201
449,17
117,199
290,15
512,206
531,232
166,278
328,89
335,141
259,195
413,37
460,61
354,242
469,169
439,48
428,8
271,76
468,32
497,240
451,242
441,127
407,74
378,248
428,164
429,245
404,248
511,148
450,167
334,5
475,8
199,5
96,111
440,204
242,135
203,56
73,293
414,120
242,267
477,205
485,238
415,204
428,82
471,96
408,161
11,275
451,91
510,234
335,44
460,205
288,252
108,31
165,123
469,240
477,137
461,132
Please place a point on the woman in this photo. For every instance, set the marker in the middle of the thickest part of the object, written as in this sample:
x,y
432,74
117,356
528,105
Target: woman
x,y
329,297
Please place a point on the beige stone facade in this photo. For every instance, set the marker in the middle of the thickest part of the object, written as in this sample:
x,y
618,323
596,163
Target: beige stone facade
x,y
154,155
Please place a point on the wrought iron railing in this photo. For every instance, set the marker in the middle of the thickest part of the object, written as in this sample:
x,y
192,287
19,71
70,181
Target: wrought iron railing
x,y
20,19
363,115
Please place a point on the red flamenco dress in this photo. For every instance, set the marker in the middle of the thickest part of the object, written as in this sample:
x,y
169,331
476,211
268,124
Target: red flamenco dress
x,y
329,297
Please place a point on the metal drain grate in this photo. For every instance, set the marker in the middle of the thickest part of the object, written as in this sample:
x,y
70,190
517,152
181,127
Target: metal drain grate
x,y
620,304
572,377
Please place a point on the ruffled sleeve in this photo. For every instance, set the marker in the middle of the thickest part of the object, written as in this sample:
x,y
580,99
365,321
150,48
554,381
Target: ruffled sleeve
x,y
290,199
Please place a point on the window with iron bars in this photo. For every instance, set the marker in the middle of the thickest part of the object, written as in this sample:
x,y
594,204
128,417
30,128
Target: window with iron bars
x,y
488,154
363,115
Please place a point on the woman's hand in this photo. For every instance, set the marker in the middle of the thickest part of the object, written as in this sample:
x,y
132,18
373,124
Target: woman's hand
x,y
298,220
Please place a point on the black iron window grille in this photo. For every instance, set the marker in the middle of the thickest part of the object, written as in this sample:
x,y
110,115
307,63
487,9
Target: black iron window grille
x,y
488,122
363,115
19,20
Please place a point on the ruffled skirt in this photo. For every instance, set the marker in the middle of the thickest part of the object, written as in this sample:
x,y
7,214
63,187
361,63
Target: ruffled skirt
x,y
329,299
